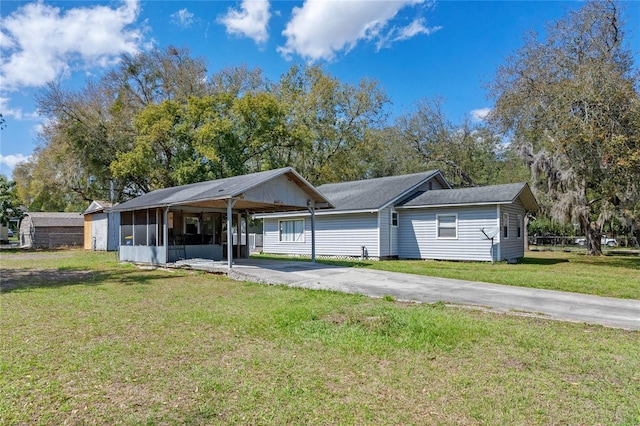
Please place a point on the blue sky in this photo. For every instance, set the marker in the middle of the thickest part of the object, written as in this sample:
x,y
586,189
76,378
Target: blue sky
x,y
414,48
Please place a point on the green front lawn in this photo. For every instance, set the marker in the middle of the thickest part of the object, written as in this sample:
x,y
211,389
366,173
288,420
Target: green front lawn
x,y
88,341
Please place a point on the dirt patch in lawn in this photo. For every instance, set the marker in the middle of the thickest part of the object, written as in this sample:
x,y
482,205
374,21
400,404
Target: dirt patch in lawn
x,y
12,279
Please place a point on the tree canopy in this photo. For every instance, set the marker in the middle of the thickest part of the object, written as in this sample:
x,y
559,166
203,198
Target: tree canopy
x,y
571,105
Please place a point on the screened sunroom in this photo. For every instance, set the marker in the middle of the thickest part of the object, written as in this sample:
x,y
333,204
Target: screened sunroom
x,y
208,220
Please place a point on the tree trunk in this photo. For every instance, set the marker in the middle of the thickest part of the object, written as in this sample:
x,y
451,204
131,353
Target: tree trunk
x,y
636,233
592,234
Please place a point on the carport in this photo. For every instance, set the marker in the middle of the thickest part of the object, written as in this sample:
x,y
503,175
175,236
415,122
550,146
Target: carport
x,y
197,220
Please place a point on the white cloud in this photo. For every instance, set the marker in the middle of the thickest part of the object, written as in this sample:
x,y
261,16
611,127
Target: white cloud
x,y
183,18
480,114
415,28
41,43
320,29
7,111
251,21
12,160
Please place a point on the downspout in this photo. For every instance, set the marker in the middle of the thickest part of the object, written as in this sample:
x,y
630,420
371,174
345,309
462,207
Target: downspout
x,y
311,205
499,233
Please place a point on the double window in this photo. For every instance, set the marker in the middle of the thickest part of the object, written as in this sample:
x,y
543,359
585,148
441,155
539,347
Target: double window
x,y
291,231
447,226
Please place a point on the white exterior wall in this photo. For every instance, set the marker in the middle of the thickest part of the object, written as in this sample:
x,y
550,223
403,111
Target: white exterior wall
x,y
417,234
278,190
105,235
512,247
99,231
336,235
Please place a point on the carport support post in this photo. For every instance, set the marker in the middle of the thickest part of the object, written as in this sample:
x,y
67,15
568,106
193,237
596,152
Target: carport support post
x,y
239,232
165,234
312,208
230,203
247,249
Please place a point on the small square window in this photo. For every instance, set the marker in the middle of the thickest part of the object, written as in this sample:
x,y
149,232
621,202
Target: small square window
x,y
447,226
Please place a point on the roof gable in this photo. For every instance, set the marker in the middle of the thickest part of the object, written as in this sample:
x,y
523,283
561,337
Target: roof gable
x,y
493,194
374,194
97,206
213,193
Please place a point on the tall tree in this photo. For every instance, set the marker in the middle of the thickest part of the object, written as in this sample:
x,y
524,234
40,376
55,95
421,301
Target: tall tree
x,y
331,123
96,122
467,154
9,201
570,103
207,137
43,182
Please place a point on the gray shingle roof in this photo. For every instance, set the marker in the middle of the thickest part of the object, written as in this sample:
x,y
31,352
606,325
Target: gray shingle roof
x,y
219,189
372,194
494,194
40,219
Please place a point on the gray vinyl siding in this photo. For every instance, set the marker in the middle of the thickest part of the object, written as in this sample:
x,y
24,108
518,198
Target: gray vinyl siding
x,y
105,232
512,247
417,234
430,185
336,235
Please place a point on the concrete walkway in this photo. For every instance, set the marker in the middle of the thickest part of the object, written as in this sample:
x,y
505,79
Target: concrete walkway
x,y
558,305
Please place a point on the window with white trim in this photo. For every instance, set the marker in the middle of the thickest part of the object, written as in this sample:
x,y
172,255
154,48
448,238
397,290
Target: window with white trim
x,y
447,225
291,231
505,225
519,227
394,218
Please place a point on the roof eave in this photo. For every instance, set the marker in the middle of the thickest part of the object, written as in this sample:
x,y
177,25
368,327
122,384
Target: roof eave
x,y
425,206
327,212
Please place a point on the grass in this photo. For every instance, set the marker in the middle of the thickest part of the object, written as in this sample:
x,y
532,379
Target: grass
x,y
86,340
610,275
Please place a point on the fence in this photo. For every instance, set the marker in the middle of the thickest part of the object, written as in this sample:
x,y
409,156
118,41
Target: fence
x,y
572,241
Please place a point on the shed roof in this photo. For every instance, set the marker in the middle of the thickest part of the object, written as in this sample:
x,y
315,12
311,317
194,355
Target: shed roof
x,y
43,219
214,193
97,206
373,194
493,194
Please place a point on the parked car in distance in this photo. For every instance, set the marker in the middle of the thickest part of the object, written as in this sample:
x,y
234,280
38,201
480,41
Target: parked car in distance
x,y
609,242
10,233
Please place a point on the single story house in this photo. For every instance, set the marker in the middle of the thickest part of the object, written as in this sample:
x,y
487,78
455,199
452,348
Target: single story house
x,y
414,216
209,219
51,230
101,227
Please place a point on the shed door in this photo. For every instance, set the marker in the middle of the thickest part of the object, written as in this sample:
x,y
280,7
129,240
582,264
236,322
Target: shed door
x,y
87,232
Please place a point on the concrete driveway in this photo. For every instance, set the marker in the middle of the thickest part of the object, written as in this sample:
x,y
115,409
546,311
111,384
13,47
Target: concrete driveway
x,y
558,305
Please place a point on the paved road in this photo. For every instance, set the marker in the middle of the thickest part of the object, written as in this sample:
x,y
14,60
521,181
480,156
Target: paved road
x,y
611,312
